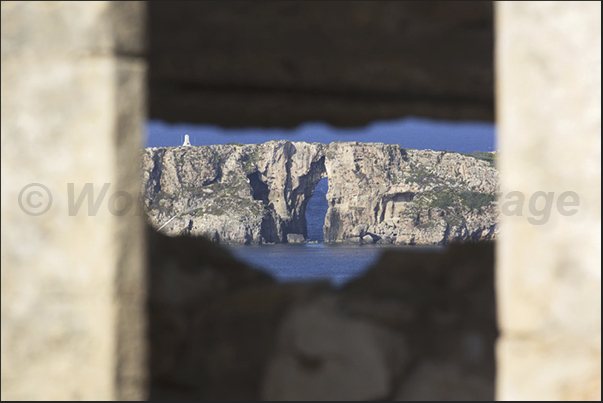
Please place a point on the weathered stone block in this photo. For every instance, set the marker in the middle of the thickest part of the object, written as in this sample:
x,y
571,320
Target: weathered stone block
x,y
323,355
549,272
73,293
240,64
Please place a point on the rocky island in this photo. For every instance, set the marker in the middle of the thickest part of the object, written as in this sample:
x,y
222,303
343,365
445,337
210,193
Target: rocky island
x,y
378,193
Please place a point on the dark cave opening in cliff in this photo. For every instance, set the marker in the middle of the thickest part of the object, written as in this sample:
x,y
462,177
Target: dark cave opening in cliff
x,y
316,210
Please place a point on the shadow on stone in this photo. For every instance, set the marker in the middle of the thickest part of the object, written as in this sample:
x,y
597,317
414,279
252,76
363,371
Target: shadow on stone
x,y
417,325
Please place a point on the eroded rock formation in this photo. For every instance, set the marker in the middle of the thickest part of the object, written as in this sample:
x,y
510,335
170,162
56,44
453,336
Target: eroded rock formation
x,y
378,193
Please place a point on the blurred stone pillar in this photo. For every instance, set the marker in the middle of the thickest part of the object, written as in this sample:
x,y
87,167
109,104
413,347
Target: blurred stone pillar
x,y
73,94
548,77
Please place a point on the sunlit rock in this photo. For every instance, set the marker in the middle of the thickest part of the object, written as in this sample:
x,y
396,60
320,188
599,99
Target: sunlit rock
x,y
258,193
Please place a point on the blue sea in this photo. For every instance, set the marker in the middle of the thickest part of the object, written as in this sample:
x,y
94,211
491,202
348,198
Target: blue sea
x,y
312,261
317,260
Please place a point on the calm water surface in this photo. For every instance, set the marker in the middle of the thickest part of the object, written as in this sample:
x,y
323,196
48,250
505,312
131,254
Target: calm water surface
x,y
305,262
319,261
316,261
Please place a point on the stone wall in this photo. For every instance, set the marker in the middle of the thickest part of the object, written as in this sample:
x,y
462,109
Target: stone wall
x,y
419,325
72,286
549,276
346,63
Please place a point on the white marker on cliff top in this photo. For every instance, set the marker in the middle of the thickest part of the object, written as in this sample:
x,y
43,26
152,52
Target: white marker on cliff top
x,y
186,141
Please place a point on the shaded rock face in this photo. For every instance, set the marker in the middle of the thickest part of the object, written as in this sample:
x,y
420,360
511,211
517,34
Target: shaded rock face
x,y
378,193
236,64
212,320
419,325
416,326
324,354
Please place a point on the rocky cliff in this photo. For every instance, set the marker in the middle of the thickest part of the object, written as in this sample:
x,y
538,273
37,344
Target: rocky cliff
x,y
378,193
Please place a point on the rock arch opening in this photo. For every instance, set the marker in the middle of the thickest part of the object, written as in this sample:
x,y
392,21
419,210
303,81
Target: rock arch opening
x,y
316,211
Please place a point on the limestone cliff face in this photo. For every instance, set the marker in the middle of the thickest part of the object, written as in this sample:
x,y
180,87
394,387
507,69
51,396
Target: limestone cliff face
x,y
377,192
232,193
402,196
